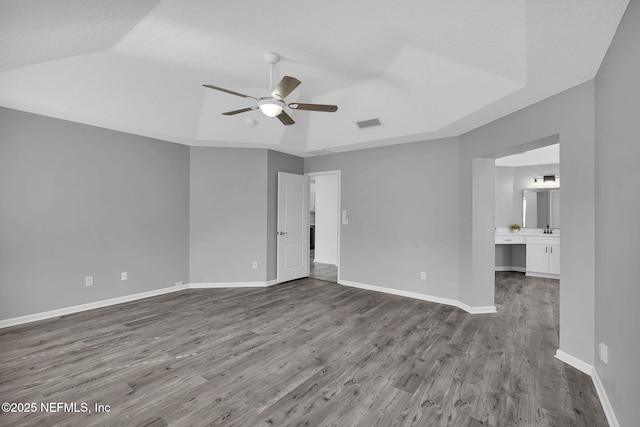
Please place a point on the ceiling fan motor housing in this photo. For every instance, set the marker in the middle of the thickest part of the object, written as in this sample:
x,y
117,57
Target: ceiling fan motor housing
x,y
271,58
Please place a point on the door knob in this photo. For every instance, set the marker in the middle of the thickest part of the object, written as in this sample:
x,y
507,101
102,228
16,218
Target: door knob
x,y
281,233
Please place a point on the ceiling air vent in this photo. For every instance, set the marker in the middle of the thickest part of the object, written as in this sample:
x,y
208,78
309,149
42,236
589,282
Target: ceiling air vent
x,y
368,123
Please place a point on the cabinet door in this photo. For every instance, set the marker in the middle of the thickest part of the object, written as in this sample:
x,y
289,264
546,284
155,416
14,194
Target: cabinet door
x,y
554,259
537,258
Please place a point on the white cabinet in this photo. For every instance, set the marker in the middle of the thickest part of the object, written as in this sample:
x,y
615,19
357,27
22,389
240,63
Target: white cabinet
x,y
543,253
537,258
554,259
543,257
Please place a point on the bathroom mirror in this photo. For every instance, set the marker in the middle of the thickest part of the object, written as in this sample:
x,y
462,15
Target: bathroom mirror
x,y
541,206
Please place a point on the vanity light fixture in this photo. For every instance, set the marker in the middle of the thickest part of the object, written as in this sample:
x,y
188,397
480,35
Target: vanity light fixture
x,y
547,181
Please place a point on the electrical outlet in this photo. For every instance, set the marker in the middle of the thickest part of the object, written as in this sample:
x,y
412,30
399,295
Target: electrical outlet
x,y
254,265
423,275
123,276
178,283
604,352
88,281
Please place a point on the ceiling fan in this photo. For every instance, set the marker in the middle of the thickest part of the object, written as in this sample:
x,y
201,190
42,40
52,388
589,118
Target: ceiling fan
x,y
274,105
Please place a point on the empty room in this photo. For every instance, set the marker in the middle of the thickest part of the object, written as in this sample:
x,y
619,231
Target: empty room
x,y
363,213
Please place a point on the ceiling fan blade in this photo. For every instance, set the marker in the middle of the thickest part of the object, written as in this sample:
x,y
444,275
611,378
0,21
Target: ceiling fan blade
x,y
229,91
313,107
285,87
244,110
285,118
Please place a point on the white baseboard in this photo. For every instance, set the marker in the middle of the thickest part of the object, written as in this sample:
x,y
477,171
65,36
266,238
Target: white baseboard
x,y
486,309
597,383
231,285
119,300
424,297
89,306
604,400
575,362
517,269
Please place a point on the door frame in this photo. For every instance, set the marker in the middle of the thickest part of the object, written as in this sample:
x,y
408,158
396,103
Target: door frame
x,y
338,173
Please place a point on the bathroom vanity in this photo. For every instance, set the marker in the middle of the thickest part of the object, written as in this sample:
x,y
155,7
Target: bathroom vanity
x,y
534,249
542,251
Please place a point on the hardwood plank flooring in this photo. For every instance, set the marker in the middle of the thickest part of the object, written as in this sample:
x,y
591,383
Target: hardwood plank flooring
x,y
308,352
318,270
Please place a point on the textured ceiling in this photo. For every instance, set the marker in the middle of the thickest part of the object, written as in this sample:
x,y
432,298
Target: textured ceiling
x,y
426,69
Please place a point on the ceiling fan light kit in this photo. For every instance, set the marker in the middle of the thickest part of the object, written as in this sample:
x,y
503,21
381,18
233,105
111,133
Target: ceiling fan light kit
x,y
274,105
271,107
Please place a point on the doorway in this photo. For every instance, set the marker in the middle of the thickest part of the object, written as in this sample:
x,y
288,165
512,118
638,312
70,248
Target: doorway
x,y
324,224
527,196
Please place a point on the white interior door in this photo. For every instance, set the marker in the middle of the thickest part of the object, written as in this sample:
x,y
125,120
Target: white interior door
x,y
293,226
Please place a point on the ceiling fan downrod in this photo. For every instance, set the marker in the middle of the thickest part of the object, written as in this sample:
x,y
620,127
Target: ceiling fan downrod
x,y
272,58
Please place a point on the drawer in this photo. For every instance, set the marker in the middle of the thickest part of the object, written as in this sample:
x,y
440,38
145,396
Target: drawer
x,y
543,240
510,240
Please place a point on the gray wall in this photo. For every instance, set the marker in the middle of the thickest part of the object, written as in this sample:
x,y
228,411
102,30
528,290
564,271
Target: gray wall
x,y
402,203
511,256
503,254
570,115
228,207
617,235
480,293
277,162
505,215
233,215
77,201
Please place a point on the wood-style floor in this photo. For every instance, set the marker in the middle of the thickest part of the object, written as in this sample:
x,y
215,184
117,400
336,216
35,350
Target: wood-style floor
x,y
328,272
307,352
